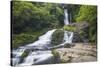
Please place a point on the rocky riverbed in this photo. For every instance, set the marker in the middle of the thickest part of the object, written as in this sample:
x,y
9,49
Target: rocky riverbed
x,y
80,52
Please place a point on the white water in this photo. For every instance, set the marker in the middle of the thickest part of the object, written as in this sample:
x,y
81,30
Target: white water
x,y
68,37
15,61
18,52
37,57
41,56
44,40
66,21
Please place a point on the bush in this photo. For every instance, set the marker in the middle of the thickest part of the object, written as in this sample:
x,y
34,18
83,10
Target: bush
x,y
23,39
89,14
26,38
57,37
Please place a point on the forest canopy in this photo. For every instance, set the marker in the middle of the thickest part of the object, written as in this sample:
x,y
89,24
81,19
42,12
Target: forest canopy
x,y
30,16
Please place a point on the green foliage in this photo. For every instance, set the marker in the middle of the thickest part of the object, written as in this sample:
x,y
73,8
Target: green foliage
x,y
31,16
89,13
31,19
23,39
57,37
55,53
56,56
73,10
26,38
69,28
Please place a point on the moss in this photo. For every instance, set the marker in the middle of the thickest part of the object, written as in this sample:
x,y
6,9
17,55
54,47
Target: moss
x,y
55,53
69,28
63,61
56,56
25,54
57,37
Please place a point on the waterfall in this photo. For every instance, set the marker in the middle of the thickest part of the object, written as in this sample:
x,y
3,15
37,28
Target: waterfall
x,y
68,37
44,41
38,57
66,21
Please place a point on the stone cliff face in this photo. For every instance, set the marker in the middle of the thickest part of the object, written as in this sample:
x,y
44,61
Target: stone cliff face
x,y
81,33
80,30
77,53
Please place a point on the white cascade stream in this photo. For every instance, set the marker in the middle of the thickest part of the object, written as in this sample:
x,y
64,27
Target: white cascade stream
x,y
40,56
66,21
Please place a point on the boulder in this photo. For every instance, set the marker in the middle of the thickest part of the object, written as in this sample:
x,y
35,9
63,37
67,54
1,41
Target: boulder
x,y
81,32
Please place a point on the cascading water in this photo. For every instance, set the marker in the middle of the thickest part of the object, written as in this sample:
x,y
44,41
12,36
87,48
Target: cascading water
x,y
38,57
41,56
66,21
68,37
16,56
43,42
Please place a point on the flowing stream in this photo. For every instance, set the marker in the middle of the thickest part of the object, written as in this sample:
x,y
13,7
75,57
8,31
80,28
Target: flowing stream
x,y
66,21
43,55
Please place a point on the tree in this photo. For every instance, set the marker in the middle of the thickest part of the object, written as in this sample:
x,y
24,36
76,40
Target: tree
x,y
31,16
89,13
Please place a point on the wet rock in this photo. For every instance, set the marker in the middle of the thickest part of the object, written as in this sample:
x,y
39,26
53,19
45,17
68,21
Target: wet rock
x,y
76,38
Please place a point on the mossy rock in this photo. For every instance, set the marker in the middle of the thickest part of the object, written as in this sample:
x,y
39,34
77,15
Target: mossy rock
x,y
67,45
25,54
69,28
56,56
57,37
